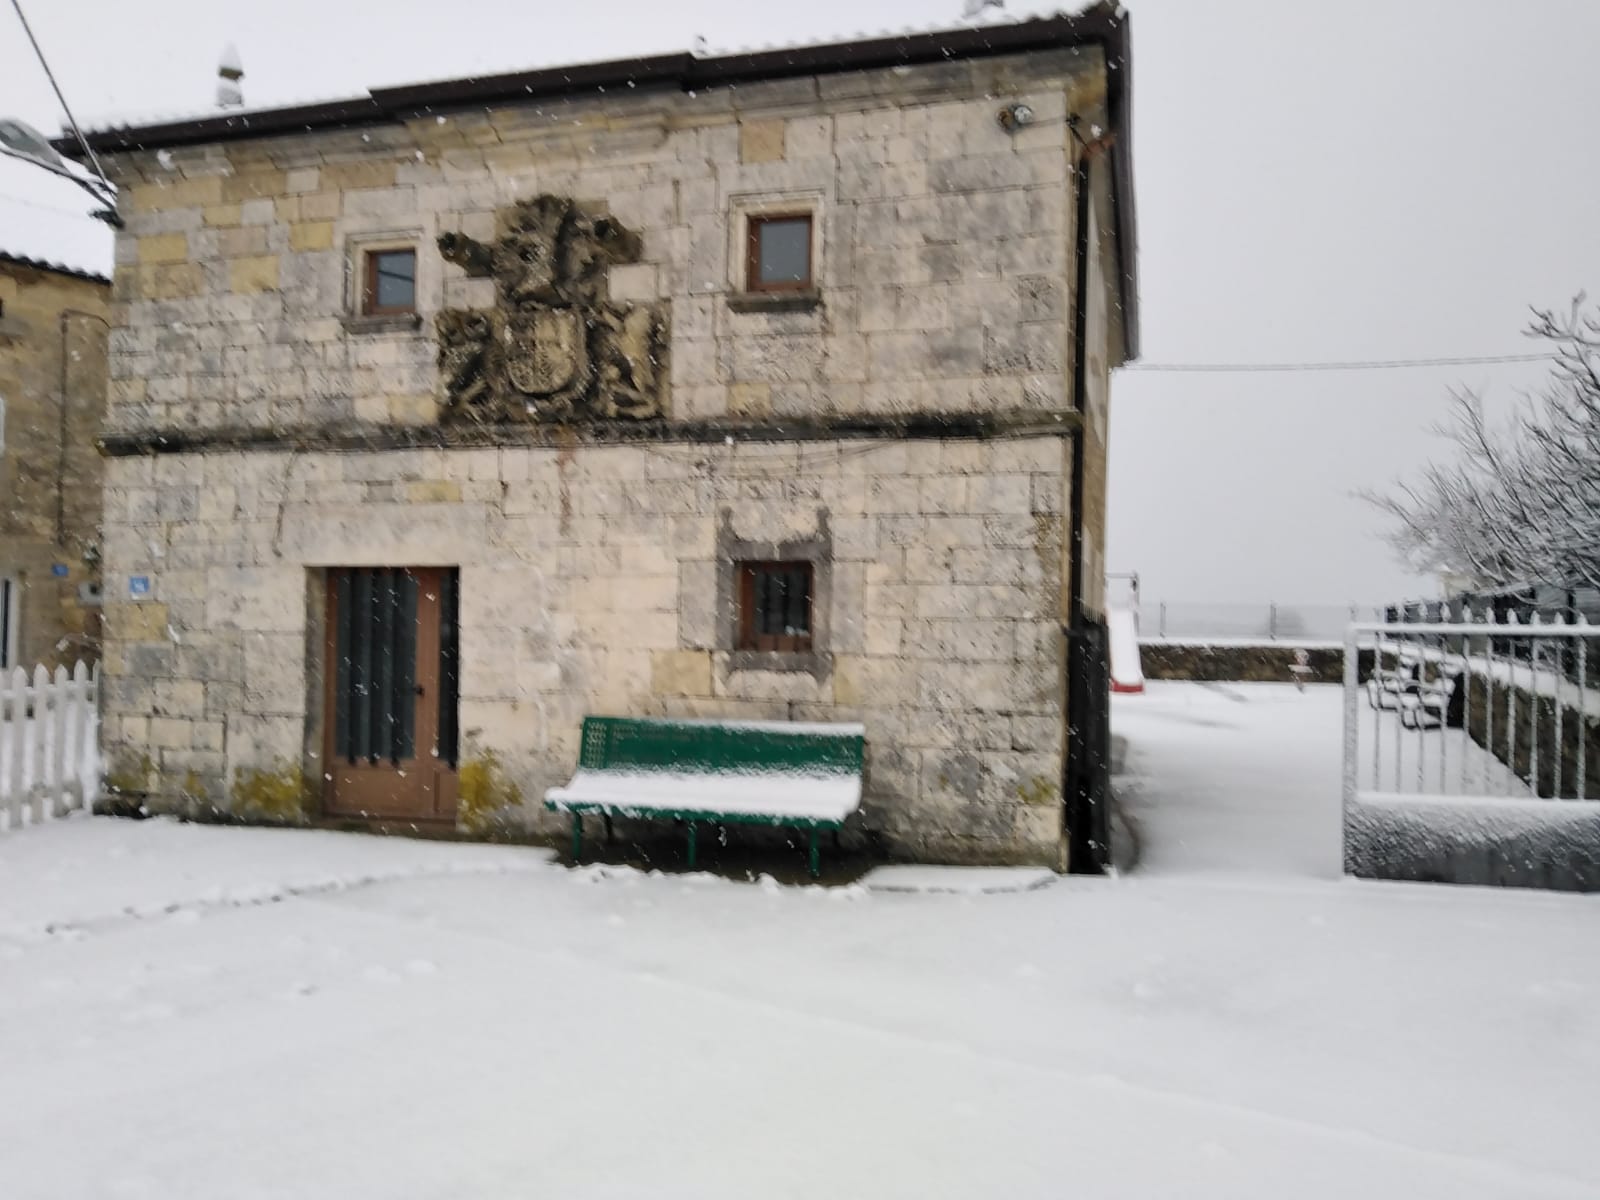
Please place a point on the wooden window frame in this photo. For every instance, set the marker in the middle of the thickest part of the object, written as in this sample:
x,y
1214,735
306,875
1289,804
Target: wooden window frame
x,y
752,270
369,282
749,636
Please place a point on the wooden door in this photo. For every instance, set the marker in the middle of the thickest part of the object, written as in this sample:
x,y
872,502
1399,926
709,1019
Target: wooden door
x,y
390,706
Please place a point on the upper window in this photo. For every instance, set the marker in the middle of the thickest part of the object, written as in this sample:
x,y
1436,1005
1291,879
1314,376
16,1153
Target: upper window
x,y
390,285
775,606
780,254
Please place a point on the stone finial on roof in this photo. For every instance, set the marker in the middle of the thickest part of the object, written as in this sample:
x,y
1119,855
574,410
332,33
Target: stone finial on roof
x,y
229,72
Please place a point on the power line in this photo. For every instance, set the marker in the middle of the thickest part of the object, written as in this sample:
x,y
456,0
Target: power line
x,y
1381,364
50,75
7,198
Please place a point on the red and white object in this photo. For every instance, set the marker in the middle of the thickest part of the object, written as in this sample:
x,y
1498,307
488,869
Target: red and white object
x,y
1127,674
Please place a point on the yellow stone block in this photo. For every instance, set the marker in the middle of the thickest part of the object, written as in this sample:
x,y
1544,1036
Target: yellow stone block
x,y
680,672
221,216
848,686
164,248
365,174
177,193
761,141
247,241
259,274
136,622
750,400
319,206
413,410
169,281
434,491
311,235
253,184
126,391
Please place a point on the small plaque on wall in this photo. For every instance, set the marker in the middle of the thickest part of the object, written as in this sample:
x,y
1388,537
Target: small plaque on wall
x,y
138,587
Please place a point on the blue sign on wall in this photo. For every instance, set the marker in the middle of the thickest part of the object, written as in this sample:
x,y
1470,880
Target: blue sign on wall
x,y
59,570
138,586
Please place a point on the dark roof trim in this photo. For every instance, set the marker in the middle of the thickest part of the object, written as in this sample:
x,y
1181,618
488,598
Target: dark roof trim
x,y
54,268
1103,25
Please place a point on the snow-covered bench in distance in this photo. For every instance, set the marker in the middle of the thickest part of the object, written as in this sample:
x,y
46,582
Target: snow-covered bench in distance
x,y
803,776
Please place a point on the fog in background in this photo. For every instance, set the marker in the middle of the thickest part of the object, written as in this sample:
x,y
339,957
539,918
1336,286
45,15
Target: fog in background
x,y
1316,182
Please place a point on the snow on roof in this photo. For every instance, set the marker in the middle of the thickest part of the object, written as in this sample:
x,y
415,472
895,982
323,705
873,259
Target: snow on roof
x,y
57,268
107,122
103,123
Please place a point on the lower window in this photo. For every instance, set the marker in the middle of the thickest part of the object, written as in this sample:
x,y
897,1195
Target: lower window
x,y
775,606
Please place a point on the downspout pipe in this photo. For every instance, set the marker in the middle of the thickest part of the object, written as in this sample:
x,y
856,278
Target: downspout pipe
x,y
1084,853
61,441
1080,376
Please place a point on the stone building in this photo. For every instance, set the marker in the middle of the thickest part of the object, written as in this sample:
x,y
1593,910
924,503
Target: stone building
x,y
767,385
53,325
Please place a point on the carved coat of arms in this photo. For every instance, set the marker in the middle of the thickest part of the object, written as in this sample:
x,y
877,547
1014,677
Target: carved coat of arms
x,y
554,347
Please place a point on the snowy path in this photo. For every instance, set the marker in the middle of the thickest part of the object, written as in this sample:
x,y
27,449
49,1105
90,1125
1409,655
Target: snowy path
x,y
425,1020
1238,778
1244,778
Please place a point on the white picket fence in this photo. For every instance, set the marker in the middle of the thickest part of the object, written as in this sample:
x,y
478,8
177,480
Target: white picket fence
x,y
49,743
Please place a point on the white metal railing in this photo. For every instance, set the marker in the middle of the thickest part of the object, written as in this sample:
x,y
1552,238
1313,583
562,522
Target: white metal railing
x,y
49,743
1267,621
1472,709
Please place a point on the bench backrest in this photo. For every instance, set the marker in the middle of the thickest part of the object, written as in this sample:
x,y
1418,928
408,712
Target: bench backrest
x,y
715,747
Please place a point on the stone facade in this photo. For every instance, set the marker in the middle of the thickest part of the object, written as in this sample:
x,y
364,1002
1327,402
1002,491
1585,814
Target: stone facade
x,y
910,419
53,325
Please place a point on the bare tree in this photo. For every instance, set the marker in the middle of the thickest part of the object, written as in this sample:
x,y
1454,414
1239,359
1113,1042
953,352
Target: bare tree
x,y
1519,503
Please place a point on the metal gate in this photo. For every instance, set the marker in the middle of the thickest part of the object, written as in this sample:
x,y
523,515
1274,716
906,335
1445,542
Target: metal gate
x,y
1086,783
1472,753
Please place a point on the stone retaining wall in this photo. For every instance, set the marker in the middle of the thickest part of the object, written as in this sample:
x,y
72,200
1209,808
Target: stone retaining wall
x,y
1265,663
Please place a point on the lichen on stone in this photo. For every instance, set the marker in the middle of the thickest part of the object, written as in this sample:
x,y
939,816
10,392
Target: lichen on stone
x,y
1037,792
484,793
281,795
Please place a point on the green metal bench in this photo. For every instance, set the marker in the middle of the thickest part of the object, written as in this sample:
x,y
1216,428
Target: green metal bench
x,y
805,777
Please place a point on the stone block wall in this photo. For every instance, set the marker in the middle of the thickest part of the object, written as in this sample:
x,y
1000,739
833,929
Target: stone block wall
x,y
589,584
52,343
594,576
941,258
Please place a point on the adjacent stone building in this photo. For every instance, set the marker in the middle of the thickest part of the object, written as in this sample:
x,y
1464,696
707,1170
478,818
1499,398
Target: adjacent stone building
x,y
53,326
769,385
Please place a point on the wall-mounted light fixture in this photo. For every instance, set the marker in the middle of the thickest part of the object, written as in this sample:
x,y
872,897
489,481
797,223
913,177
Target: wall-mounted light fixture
x,y
1014,117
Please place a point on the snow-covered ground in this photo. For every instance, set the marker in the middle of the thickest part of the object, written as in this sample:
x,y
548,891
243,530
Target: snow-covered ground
x,y
1245,778
1237,778
242,1013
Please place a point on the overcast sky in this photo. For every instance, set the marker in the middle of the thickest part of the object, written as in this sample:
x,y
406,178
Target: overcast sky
x,y
1316,181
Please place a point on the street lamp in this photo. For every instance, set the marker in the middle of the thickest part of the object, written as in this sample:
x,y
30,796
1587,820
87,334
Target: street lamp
x,y
21,141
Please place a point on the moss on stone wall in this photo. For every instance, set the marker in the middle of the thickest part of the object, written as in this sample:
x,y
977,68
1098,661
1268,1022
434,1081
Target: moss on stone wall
x,y
130,775
1038,791
279,796
484,792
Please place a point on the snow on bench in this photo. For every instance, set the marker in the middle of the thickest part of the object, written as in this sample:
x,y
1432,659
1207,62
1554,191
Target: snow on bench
x,y
805,776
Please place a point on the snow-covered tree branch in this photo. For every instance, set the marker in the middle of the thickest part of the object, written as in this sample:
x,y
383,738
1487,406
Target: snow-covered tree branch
x,y
1519,502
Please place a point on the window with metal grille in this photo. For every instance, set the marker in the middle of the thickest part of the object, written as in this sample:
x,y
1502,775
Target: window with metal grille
x,y
775,606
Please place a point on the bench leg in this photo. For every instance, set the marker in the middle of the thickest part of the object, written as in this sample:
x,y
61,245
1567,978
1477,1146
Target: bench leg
x,y
815,864
577,836
610,838
691,844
